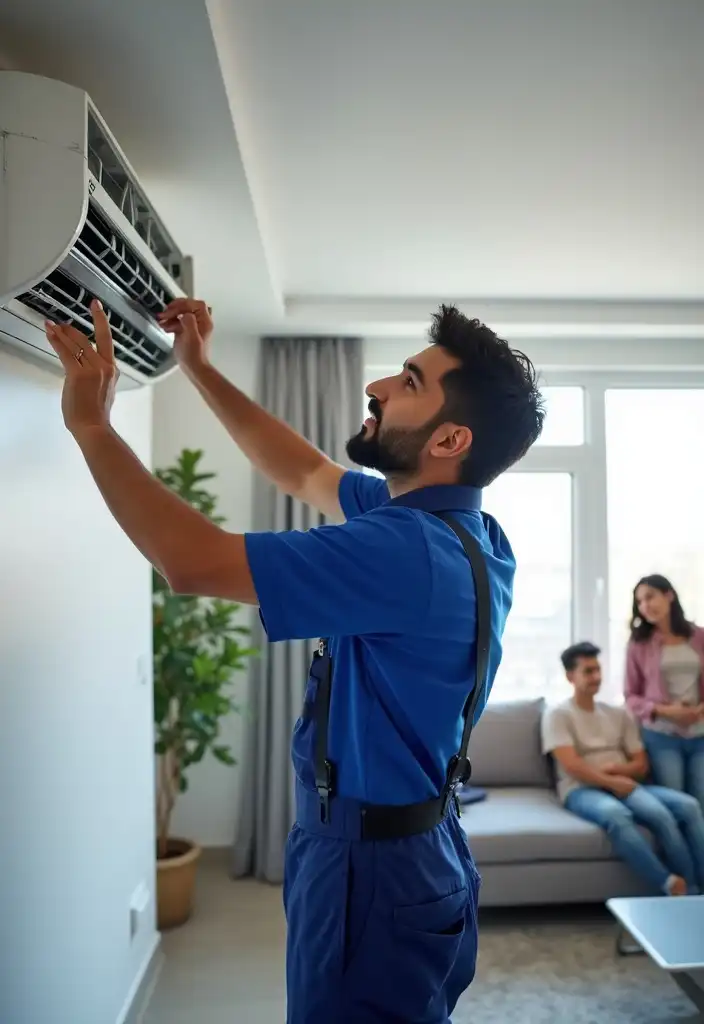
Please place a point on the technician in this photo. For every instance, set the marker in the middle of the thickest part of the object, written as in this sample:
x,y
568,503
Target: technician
x,y
409,595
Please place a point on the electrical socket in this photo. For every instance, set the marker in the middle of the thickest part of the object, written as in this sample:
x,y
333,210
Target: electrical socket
x,y
142,670
138,904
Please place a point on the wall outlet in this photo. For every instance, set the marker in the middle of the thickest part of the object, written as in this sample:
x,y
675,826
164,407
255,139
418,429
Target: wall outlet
x,y
138,905
142,670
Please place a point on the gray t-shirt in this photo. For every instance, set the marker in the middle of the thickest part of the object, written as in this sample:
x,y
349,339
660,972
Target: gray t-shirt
x,y
681,668
603,736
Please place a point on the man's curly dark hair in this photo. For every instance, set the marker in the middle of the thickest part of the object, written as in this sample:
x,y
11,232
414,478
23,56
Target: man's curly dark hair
x,y
494,392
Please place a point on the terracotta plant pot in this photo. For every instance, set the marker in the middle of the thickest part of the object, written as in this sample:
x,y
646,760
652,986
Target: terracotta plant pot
x,y
175,883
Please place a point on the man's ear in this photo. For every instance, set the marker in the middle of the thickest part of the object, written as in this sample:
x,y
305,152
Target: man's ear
x,y
451,442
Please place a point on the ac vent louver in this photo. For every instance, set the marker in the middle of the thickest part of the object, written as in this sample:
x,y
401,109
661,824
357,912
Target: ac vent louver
x,y
59,298
104,249
77,225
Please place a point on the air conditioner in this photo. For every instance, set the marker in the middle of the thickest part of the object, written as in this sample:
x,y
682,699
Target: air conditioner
x,y
75,223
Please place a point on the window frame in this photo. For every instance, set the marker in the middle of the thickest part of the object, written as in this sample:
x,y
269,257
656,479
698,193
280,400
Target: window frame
x,y
590,538
586,463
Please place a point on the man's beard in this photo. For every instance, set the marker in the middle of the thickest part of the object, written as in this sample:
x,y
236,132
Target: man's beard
x,y
396,453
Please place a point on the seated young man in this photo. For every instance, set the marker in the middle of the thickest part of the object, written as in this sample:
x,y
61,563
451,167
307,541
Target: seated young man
x,y
601,767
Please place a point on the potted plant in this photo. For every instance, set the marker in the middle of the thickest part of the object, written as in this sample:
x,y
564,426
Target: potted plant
x,y
198,647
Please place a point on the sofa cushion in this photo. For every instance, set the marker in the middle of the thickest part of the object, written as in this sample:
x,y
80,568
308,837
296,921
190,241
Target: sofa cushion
x,y
519,825
505,746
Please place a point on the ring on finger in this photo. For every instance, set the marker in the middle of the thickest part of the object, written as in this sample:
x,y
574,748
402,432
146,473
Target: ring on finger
x,y
78,356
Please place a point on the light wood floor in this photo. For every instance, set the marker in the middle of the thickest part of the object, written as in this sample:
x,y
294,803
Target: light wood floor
x,y
226,965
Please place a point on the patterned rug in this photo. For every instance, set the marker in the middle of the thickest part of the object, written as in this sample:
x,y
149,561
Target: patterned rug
x,y
560,967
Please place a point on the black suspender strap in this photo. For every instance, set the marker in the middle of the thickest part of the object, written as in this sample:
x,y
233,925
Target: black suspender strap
x,y
460,769
394,821
324,768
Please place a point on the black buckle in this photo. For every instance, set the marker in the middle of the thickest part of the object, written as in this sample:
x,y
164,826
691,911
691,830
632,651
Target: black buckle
x,y
325,791
447,795
459,772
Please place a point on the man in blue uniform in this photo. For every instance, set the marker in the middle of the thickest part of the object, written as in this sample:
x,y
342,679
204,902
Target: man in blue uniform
x,y
409,593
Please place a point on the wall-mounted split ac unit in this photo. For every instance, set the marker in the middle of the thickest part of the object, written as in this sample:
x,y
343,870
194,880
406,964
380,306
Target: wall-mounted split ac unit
x,y
75,224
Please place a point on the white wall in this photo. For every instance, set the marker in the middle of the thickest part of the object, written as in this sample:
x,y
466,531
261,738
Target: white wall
x,y
76,765
208,811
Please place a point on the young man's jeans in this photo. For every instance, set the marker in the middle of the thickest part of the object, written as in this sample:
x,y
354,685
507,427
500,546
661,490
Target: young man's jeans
x,y
674,819
676,762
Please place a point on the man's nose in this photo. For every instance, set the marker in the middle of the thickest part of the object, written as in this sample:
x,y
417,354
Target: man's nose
x,y
376,391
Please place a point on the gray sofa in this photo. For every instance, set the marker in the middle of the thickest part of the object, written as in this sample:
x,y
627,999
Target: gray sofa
x,y
527,847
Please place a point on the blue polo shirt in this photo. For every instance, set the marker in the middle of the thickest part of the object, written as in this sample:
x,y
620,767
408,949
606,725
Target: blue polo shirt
x,y
393,592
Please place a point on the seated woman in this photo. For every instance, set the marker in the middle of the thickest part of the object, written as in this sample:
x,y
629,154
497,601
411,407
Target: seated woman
x,y
665,685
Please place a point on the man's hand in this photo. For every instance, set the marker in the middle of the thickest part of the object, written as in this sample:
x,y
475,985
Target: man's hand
x,y
191,323
683,715
615,768
91,373
621,786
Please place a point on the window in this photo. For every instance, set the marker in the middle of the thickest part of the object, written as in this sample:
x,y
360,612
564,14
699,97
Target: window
x,y
564,420
655,506
540,623
610,492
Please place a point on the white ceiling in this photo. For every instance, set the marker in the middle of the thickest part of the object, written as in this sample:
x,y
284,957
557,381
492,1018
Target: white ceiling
x,y
342,165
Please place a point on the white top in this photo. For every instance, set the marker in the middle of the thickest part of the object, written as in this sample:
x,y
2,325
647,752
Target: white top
x,y
603,736
681,668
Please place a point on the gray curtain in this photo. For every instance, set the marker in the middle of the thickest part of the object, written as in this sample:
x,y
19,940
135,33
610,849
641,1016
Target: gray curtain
x,y
316,386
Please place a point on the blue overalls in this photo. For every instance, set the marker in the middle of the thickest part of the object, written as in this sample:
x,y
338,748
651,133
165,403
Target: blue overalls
x,y
380,888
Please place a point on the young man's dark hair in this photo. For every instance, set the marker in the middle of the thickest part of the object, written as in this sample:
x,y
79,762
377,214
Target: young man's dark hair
x,y
494,392
571,655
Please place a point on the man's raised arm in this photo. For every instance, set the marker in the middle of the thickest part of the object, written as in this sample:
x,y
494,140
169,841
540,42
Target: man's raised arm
x,y
291,462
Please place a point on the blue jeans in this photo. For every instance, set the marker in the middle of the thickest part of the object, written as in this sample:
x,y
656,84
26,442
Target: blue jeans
x,y
676,762
674,819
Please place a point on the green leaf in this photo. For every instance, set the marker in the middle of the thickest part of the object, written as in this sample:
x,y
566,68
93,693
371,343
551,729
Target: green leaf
x,y
223,755
196,643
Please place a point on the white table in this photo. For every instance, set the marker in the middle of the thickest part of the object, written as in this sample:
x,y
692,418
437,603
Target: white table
x,y
670,929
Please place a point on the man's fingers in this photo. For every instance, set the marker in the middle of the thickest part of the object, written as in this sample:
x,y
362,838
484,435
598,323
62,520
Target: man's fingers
x,y
169,325
190,323
103,334
68,360
77,344
81,347
174,310
180,306
185,322
184,306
